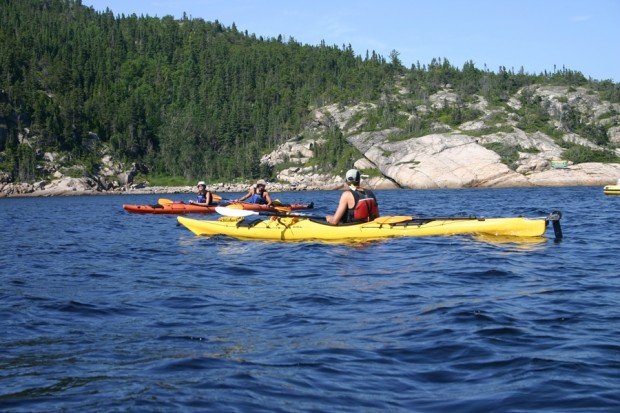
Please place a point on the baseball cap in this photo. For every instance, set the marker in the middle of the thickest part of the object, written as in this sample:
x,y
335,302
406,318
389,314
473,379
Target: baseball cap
x,y
353,175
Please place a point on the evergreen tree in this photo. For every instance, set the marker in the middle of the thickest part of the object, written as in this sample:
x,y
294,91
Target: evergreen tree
x,y
195,98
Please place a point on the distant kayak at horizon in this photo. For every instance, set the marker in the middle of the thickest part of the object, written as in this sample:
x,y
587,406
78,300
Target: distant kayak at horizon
x,y
612,189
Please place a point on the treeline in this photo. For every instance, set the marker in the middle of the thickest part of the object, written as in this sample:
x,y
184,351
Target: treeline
x,y
496,87
188,97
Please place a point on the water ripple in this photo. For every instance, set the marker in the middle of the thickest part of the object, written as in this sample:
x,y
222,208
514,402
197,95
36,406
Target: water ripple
x,y
137,314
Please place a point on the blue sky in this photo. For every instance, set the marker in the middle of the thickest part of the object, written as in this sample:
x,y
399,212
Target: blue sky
x,y
537,35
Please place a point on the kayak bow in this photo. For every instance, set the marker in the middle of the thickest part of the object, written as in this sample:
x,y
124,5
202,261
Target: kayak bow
x,y
611,190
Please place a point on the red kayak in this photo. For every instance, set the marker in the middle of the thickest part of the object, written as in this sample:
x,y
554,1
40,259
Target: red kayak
x,y
174,208
183,208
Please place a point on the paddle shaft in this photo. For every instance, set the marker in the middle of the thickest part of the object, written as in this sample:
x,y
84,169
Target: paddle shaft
x,y
554,217
387,220
287,215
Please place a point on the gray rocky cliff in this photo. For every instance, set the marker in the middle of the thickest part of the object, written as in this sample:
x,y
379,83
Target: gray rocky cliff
x,y
489,150
463,156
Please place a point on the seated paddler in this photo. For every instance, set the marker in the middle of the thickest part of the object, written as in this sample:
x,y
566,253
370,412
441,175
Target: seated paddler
x,y
357,204
257,194
203,196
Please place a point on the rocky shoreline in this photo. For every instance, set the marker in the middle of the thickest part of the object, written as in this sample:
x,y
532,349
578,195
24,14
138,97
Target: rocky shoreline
x,y
489,152
87,186
577,175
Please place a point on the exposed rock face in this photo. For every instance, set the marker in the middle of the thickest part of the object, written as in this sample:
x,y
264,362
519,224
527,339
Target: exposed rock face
x,y
518,138
581,174
453,156
454,160
578,140
614,135
440,161
292,151
532,163
111,177
305,178
341,116
62,186
68,185
585,101
443,98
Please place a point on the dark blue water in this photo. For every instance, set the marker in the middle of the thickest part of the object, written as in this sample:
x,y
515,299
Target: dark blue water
x,y
101,310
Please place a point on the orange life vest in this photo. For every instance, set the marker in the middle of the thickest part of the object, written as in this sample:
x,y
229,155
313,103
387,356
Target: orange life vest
x,y
365,208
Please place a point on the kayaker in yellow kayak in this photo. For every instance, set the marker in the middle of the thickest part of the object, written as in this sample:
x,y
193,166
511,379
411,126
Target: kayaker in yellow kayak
x,y
257,194
203,197
356,204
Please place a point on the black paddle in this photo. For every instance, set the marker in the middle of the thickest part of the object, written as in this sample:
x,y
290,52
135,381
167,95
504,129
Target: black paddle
x,y
235,212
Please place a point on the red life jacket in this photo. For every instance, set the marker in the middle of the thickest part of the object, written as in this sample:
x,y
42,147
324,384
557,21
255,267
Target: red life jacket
x,y
365,208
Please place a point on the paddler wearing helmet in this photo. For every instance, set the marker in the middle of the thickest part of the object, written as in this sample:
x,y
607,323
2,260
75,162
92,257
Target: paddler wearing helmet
x,y
357,204
257,194
203,196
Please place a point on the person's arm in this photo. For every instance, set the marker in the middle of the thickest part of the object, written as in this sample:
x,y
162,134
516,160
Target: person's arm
x,y
340,211
246,196
268,198
206,203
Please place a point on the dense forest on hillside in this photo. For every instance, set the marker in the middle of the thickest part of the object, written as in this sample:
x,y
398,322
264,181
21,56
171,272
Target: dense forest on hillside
x,y
188,97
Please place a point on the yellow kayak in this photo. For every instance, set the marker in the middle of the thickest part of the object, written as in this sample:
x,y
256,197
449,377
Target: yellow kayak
x,y
300,228
611,190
